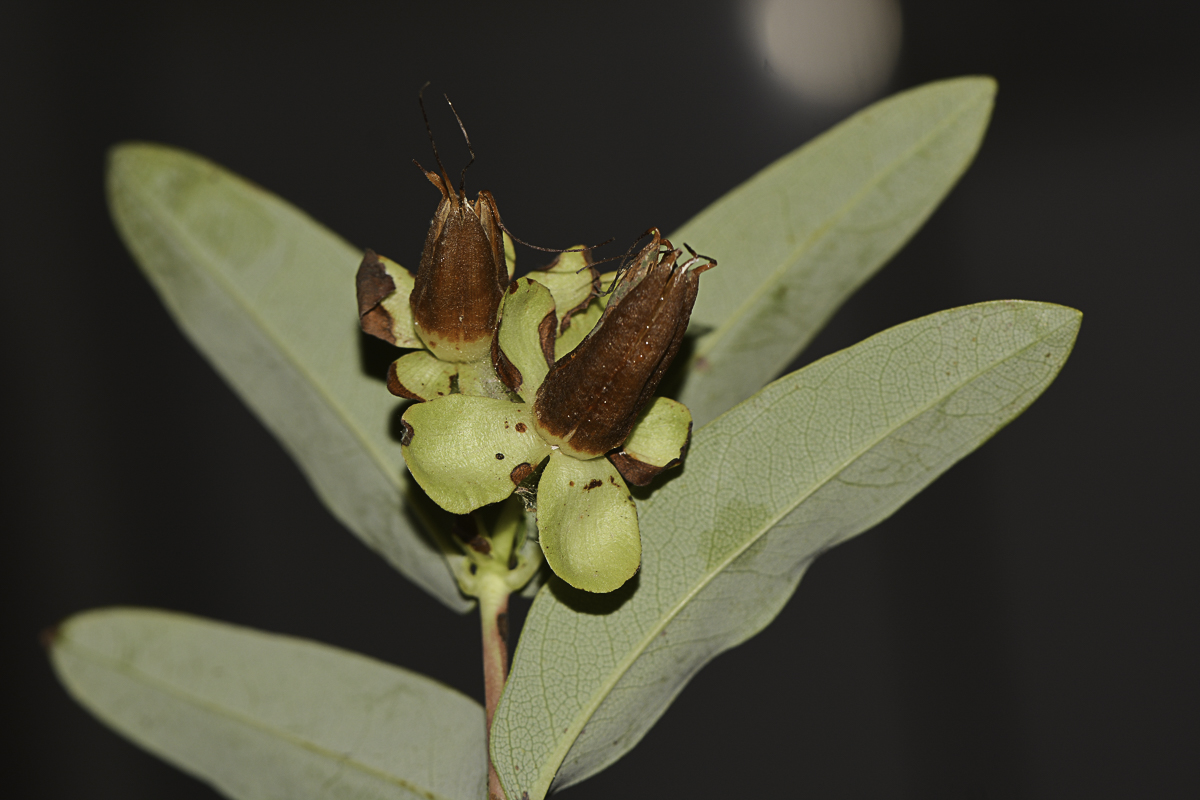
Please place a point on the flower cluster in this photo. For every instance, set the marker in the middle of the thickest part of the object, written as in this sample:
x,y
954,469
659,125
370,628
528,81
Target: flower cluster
x,y
577,357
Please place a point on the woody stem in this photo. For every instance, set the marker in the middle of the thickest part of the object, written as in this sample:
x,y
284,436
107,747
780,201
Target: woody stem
x,y
493,614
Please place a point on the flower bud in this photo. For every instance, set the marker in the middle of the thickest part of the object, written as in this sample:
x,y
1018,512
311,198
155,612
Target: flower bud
x,y
589,401
461,279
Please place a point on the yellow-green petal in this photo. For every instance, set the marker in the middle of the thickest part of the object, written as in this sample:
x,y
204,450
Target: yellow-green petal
x,y
572,281
660,433
525,337
466,451
587,523
420,376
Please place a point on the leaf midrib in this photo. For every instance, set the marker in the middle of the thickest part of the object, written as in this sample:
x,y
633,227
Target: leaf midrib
x,y
585,714
710,342
132,672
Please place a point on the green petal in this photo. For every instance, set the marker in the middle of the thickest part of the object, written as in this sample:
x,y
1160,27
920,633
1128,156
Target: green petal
x,y
587,523
581,324
658,441
526,336
466,452
572,281
420,376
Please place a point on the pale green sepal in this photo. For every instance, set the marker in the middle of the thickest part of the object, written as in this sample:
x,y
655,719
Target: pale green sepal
x,y
660,433
478,378
798,238
256,285
524,334
510,255
587,523
258,715
463,450
812,460
572,282
423,375
581,324
397,306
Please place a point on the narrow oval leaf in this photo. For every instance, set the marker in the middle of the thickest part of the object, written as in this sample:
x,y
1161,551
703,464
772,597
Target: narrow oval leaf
x,y
799,237
815,458
267,295
258,715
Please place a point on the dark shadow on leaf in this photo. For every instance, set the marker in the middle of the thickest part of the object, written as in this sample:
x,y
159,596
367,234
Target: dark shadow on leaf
x,y
589,602
375,355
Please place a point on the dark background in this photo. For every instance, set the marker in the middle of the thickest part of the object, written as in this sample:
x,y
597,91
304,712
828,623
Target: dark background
x,y
1024,628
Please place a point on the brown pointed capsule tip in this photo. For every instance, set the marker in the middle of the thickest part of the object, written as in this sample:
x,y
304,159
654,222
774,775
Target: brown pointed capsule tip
x,y
462,276
593,395
373,285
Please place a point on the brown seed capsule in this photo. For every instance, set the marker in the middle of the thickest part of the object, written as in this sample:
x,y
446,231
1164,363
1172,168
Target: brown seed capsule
x,y
591,398
462,275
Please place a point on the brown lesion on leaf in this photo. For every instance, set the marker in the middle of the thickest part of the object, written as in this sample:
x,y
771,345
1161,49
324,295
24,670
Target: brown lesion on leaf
x,y
373,285
406,433
520,472
399,389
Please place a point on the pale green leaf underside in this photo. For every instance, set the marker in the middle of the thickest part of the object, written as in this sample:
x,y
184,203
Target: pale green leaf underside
x,y
812,460
261,716
267,295
797,239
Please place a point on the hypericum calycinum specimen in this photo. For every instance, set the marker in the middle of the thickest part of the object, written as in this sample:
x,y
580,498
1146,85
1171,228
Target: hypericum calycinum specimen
x,y
593,402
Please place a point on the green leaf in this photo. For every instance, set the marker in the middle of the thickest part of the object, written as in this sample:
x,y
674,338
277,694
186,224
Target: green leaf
x,y
587,523
798,238
815,458
258,715
267,295
468,451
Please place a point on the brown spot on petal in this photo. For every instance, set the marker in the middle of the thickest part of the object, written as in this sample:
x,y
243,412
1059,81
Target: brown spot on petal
x,y
521,427
520,472
397,388
499,456
406,435
594,483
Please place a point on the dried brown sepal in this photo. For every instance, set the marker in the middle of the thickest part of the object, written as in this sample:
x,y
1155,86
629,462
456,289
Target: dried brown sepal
x,y
372,285
462,275
593,395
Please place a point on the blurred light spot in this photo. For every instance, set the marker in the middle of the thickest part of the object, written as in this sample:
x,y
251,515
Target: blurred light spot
x,y
829,52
